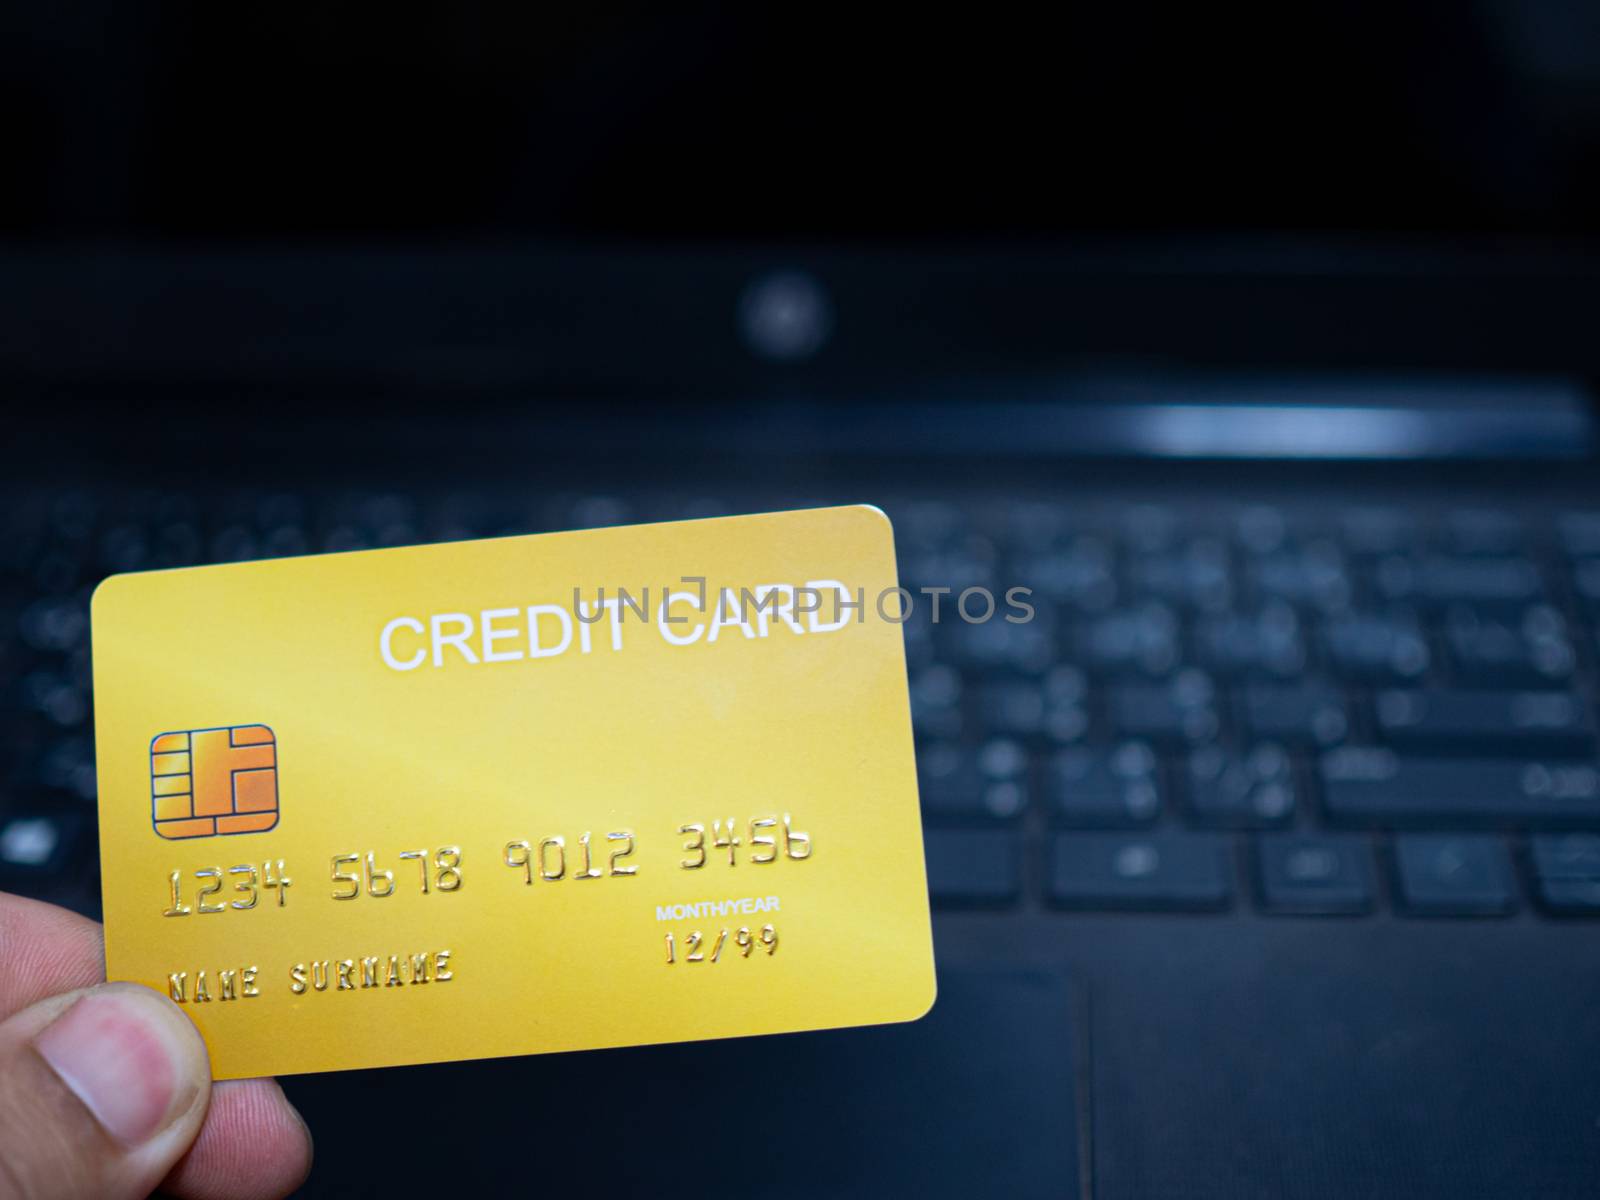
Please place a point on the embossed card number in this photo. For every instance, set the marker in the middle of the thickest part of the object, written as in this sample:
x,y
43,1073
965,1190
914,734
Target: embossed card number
x,y
356,874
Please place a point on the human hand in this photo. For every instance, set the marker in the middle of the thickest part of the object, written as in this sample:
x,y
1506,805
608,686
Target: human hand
x,y
105,1088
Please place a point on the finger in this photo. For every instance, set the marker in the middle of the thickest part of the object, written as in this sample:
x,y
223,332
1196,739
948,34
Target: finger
x,y
254,1146
44,951
101,1093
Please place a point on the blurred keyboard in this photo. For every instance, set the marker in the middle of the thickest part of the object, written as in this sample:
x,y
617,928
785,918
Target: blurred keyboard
x,y
1296,709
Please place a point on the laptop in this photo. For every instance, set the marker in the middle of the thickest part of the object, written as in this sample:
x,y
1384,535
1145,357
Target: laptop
x,y
1264,857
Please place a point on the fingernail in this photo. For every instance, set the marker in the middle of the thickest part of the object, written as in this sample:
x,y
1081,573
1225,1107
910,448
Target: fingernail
x,y
130,1060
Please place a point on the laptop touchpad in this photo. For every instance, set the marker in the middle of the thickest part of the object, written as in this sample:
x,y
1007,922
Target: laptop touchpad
x,y
975,1099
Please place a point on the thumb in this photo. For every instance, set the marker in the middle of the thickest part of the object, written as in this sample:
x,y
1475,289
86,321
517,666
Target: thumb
x,y
101,1092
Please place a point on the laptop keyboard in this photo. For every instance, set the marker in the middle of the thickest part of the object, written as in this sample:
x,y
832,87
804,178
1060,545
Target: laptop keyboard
x,y
1312,710
1317,711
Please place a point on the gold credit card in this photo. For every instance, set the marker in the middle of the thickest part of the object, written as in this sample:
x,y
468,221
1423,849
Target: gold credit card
x,y
602,788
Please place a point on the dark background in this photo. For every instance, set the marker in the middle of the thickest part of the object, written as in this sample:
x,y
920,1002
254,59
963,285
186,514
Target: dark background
x,y
339,121
337,210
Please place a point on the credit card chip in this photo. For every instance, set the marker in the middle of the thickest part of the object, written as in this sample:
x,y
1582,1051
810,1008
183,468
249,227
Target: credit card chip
x,y
205,782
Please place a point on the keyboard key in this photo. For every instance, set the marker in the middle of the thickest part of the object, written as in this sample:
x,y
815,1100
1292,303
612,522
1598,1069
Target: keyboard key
x,y
1141,640
55,625
124,548
1485,531
1255,789
1029,525
1105,788
1371,530
1313,576
959,784
56,697
1265,643
1571,897
1134,871
1377,647
1149,528
1367,786
1311,874
1260,529
1196,576
1081,575
1553,721
1300,714
928,523
1026,646
66,765
963,563
1052,708
1586,580
1454,874
936,710
1566,855
1182,710
1567,869
1504,581
1012,707
1527,648
973,867
1580,533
